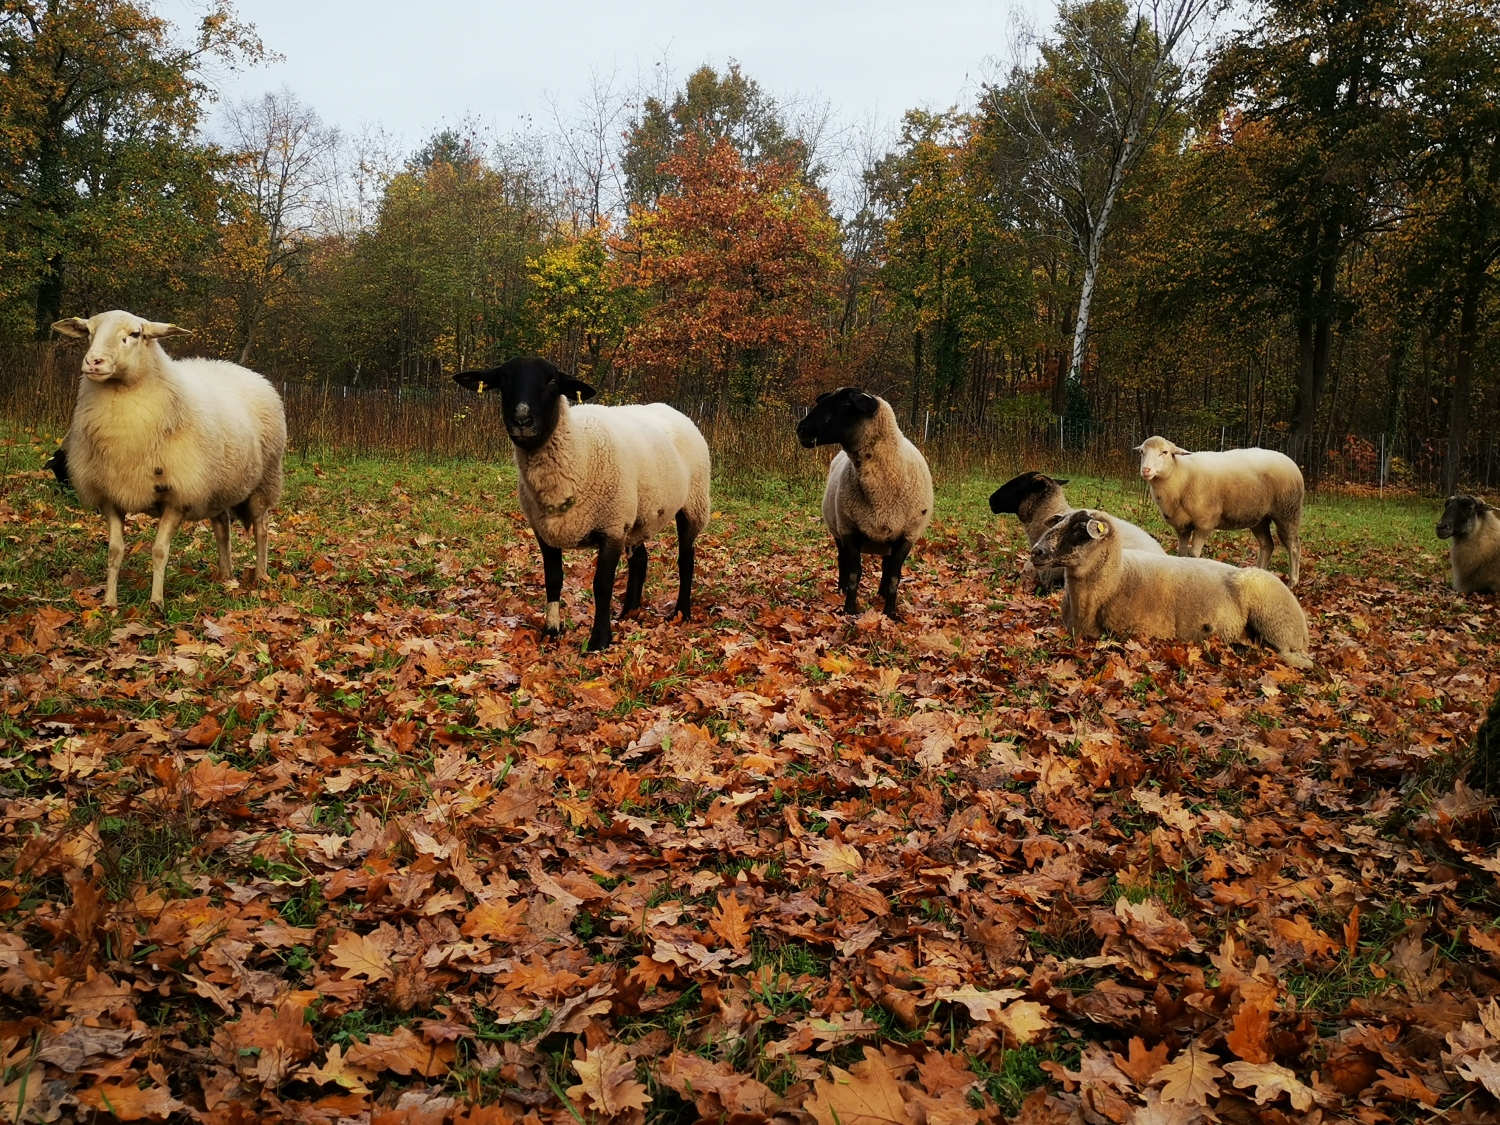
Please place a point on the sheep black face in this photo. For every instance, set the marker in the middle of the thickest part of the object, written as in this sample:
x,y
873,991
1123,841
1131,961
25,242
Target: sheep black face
x,y
1070,538
58,464
834,416
1011,495
530,388
1461,516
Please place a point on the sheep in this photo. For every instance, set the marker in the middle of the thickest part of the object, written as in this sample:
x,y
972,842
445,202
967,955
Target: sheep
x,y
1238,488
1035,498
57,465
1472,528
604,476
1123,591
184,439
878,500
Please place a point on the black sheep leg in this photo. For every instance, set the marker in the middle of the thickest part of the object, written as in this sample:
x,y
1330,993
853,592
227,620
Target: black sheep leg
x,y
635,579
890,575
850,568
686,537
552,576
604,592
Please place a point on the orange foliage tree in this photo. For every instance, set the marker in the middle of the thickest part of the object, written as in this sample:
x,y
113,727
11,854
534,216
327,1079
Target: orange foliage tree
x,y
738,262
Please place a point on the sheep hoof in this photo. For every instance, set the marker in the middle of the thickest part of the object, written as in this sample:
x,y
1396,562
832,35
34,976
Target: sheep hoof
x,y
551,631
599,644
681,613
1298,660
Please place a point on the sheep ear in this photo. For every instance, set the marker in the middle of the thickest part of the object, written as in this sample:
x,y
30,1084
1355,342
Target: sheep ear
x,y
74,326
1138,448
575,389
1057,482
822,396
478,380
864,403
160,330
1097,529
1053,521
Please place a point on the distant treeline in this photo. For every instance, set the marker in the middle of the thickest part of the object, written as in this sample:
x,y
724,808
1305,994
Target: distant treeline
x,y
1141,226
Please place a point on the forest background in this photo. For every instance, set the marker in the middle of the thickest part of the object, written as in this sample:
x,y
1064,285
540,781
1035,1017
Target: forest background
x,y
1276,225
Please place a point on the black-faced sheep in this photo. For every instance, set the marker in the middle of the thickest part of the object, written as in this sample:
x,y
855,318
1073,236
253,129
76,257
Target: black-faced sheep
x,y
1472,529
1133,592
184,439
57,465
878,500
1199,493
609,477
1034,498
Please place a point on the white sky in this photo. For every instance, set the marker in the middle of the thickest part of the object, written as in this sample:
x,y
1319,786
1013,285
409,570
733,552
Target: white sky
x,y
413,67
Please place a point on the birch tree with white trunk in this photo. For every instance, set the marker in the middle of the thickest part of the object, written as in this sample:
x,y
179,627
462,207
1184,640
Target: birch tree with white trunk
x,y
1113,75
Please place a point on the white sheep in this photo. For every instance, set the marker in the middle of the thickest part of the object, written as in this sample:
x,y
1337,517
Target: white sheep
x,y
1109,588
611,477
1199,493
184,439
1472,529
878,500
1035,498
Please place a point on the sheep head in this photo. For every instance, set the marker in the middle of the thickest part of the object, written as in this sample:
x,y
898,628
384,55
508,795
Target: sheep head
x,y
531,394
1072,538
836,416
1461,515
1014,493
1158,456
119,342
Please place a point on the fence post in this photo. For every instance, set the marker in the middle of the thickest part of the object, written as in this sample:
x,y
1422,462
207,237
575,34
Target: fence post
x,y
926,425
1382,466
1222,430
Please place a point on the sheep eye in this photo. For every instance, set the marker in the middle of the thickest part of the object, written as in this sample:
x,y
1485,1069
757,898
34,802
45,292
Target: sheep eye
x,y
136,335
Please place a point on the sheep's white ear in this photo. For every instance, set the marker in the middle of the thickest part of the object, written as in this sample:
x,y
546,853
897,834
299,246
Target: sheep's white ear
x,y
74,326
1097,529
159,330
1139,448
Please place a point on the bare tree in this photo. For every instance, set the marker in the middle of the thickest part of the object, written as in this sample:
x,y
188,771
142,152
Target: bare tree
x,y
287,160
1101,93
588,144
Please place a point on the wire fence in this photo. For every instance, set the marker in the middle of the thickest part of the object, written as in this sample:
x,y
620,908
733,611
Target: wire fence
x,y
38,387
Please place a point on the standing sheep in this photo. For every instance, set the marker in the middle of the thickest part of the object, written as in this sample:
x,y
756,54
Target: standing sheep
x,y
1109,588
1239,488
878,499
1034,498
1472,529
609,477
185,439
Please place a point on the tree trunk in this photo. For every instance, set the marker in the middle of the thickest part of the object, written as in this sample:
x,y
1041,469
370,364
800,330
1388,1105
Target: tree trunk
x,y
51,205
1463,380
916,379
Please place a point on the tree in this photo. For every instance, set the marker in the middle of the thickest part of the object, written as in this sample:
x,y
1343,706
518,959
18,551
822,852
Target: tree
x,y
576,302
284,158
98,107
1314,87
737,260
1111,80
708,109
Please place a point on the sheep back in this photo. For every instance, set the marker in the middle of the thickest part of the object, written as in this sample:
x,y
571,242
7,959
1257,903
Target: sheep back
x,y
217,432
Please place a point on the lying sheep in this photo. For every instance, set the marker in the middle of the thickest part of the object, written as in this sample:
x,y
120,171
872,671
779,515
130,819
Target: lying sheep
x,y
1122,591
878,499
610,477
1472,528
1239,488
1035,498
184,439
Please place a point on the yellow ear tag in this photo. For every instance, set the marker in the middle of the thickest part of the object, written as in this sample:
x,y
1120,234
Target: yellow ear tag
x,y
580,397
481,386
1096,528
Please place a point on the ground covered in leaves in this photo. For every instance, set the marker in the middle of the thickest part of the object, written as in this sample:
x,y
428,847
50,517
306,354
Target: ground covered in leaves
x,y
360,847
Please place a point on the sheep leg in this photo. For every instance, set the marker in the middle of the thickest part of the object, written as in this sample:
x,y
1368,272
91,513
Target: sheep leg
x,y
890,575
261,526
850,566
115,521
552,576
635,579
1262,532
221,537
171,518
604,592
686,538
1292,541
1196,539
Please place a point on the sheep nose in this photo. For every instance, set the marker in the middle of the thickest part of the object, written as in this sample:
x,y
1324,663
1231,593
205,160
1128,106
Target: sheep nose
x,y
523,412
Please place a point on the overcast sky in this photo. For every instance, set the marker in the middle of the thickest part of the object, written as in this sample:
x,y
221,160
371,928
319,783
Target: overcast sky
x,y
413,67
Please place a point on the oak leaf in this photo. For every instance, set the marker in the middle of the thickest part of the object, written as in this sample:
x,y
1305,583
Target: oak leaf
x,y
1270,1081
129,1102
1189,1077
402,1052
358,956
870,1097
1482,1069
835,856
1142,1064
607,1080
731,921
1252,1024
337,1070
982,1005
